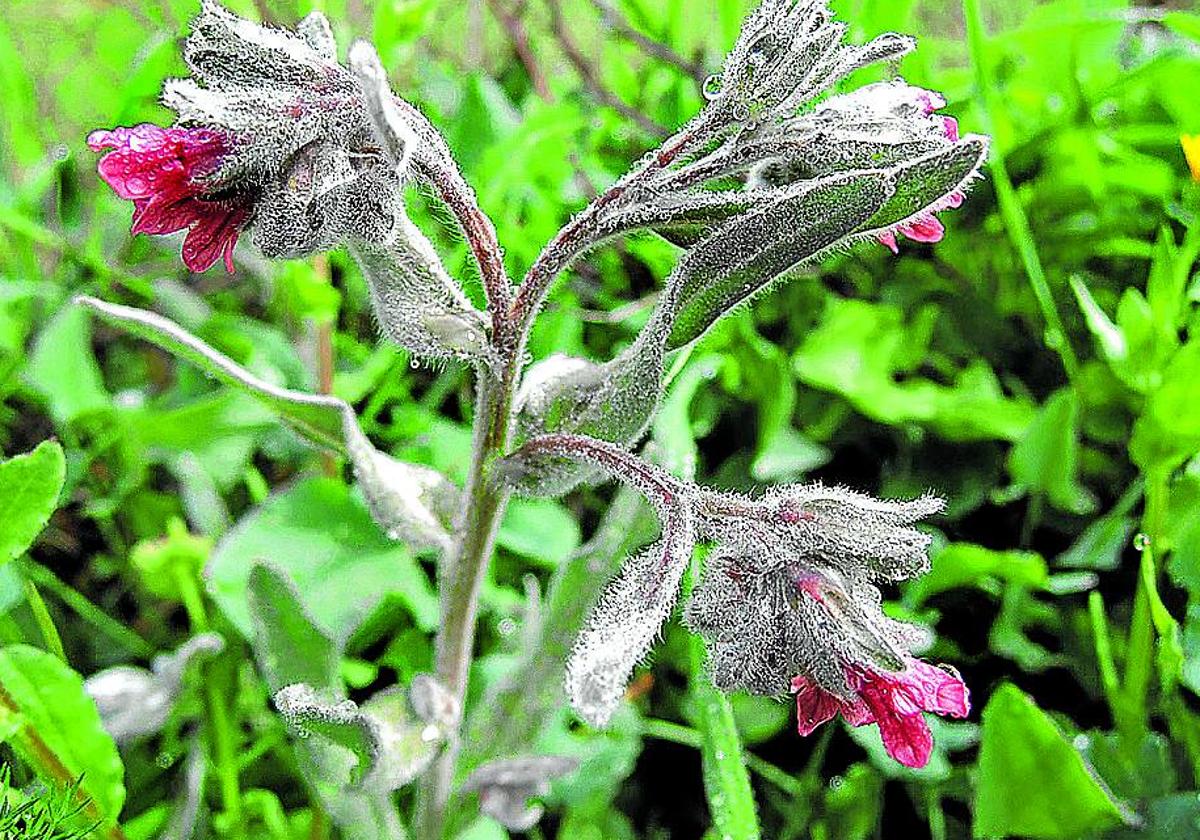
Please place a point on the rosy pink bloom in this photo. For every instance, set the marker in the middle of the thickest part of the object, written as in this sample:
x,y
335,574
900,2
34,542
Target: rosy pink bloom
x,y
163,171
927,228
893,701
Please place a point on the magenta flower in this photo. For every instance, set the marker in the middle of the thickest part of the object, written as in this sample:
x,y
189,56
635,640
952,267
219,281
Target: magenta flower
x,y
892,701
167,174
926,227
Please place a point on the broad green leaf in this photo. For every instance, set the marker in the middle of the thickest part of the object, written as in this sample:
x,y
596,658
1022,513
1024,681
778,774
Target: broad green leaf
x,y
1031,781
1168,430
864,352
539,530
59,730
31,484
288,646
965,564
1046,459
321,537
63,370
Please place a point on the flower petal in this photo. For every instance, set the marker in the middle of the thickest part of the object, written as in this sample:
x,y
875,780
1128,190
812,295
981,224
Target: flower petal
x,y
941,691
814,705
928,229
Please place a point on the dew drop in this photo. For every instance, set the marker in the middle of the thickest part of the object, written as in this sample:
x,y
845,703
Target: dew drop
x,y
164,760
414,364
1141,542
712,88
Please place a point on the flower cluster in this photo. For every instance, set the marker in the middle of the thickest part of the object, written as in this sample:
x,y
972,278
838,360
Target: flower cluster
x,y
788,600
273,134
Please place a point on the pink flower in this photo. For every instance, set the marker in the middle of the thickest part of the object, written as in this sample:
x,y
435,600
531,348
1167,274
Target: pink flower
x,y
166,173
893,701
927,228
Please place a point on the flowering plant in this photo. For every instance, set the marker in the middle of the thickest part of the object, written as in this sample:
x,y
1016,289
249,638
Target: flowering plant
x,y
277,138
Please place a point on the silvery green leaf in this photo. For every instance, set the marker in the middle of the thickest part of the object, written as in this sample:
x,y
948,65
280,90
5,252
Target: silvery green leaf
x,y
434,703
319,419
612,401
289,649
418,305
923,184
392,746
132,702
682,217
408,501
411,502
135,702
393,131
747,254
629,616
506,786
288,645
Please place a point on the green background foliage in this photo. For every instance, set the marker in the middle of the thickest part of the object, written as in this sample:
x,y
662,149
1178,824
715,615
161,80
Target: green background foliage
x,y
1039,367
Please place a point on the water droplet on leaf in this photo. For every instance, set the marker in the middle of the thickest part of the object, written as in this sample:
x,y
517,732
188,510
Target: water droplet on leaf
x,y
712,88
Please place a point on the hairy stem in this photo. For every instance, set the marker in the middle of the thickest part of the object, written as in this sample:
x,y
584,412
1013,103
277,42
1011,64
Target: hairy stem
x,y
578,234
484,498
483,506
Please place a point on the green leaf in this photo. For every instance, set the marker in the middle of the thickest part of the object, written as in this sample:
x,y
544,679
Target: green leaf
x,y
407,500
1031,780
288,646
63,369
59,733
1046,459
726,780
1168,430
539,530
966,564
322,537
753,250
390,744
32,484
867,353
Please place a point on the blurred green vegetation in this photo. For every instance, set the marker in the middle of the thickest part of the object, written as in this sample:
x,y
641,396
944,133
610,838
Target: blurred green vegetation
x,y
1040,367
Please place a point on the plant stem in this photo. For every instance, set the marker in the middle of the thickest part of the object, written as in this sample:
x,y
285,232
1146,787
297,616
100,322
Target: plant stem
x,y
1139,657
86,610
484,499
45,623
222,742
483,505
1011,212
